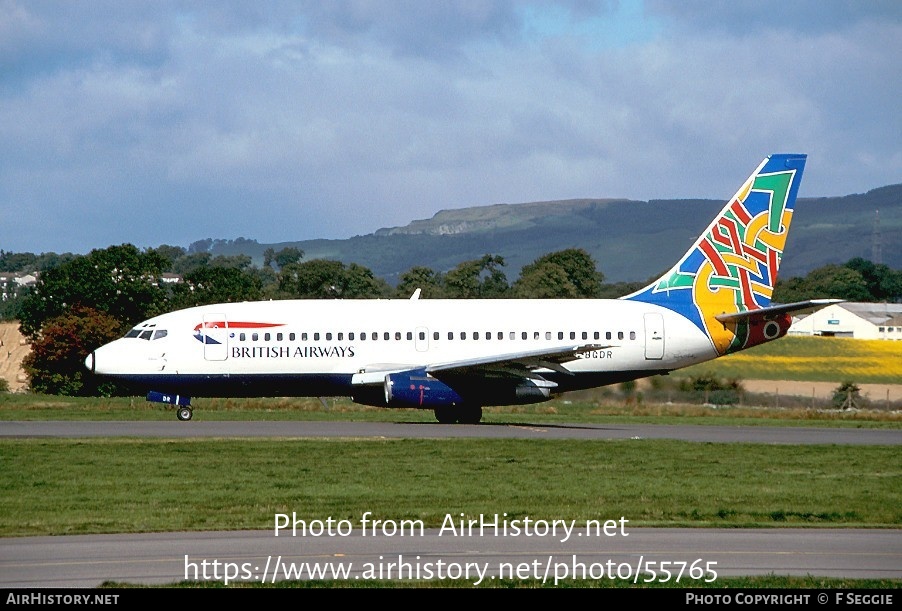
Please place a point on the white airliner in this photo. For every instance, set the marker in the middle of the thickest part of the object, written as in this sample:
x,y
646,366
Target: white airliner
x,y
456,356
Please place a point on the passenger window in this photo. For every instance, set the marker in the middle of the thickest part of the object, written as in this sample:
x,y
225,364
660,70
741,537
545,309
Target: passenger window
x,y
463,335
547,334
585,335
632,335
573,335
524,335
500,334
597,335
351,336
255,336
475,334
409,336
435,335
560,335
620,335
329,337
279,337
450,334
488,335
316,337
607,335
304,336
242,337
397,335
266,337
535,335
341,336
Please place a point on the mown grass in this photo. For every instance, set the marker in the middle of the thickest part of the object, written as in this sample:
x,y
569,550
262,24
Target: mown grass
x,y
607,405
65,486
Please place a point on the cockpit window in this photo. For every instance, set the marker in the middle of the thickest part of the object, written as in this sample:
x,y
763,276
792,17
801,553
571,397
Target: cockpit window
x,y
146,332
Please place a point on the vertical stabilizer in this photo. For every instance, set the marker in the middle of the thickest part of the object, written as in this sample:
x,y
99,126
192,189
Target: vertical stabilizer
x,y
733,265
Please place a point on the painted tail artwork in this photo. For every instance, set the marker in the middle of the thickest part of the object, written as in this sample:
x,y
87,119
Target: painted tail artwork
x,y
725,282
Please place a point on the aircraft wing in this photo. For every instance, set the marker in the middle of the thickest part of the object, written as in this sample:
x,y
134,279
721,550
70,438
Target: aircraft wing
x,y
799,307
519,364
516,363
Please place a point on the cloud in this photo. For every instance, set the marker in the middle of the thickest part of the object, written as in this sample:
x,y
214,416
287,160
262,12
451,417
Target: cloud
x,y
172,122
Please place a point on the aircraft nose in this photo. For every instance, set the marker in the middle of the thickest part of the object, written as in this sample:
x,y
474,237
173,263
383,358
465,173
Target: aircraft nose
x,y
89,362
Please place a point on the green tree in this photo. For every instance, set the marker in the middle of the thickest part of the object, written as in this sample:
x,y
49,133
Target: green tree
x,y
268,255
120,281
570,273
170,253
830,281
477,279
17,261
55,364
423,278
544,281
326,279
208,285
883,283
288,255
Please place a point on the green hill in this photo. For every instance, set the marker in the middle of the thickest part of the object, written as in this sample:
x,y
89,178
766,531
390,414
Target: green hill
x,y
630,240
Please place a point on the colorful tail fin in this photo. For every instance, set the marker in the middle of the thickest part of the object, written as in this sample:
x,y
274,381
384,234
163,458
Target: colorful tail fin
x,y
732,268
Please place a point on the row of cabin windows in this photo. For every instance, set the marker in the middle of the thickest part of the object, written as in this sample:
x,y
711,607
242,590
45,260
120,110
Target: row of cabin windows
x,y
421,335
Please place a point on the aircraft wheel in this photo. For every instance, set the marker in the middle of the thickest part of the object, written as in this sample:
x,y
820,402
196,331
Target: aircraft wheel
x,y
184,413
470,414
446,414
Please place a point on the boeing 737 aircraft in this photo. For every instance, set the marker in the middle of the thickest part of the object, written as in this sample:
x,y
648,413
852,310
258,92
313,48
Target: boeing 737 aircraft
x,y
456,356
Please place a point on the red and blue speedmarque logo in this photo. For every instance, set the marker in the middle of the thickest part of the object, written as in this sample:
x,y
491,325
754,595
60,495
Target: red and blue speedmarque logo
x,y
204,337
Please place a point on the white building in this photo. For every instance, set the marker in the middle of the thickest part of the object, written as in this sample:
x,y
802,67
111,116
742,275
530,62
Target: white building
x,y
858,320
11,283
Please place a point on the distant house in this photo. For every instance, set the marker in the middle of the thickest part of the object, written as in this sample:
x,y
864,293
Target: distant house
x,y
11,283
858,320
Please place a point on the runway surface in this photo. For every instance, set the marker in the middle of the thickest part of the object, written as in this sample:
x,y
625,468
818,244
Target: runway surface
x,y
691,556
517,430
499,549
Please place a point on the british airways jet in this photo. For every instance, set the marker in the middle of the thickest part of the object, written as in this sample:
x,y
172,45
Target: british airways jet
x,y
456,356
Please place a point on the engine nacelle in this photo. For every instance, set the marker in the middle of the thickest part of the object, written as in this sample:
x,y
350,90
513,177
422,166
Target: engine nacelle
x,y
532,393
417,389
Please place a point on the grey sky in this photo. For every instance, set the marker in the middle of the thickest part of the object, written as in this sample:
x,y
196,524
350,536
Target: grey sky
x,y
169,122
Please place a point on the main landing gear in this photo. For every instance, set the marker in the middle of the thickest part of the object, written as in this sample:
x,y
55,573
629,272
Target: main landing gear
x,y
462,414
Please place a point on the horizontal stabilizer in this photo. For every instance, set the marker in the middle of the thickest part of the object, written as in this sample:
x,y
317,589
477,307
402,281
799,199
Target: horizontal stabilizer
x,y
799,307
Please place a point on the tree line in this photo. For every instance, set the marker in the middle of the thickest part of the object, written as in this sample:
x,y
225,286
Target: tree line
x,y
83,301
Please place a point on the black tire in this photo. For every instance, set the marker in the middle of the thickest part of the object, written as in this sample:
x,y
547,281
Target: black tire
x,y
446,414
469,414
184,413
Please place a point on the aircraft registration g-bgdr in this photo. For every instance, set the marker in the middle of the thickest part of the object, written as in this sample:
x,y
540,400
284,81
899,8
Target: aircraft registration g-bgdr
x,y
456,356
